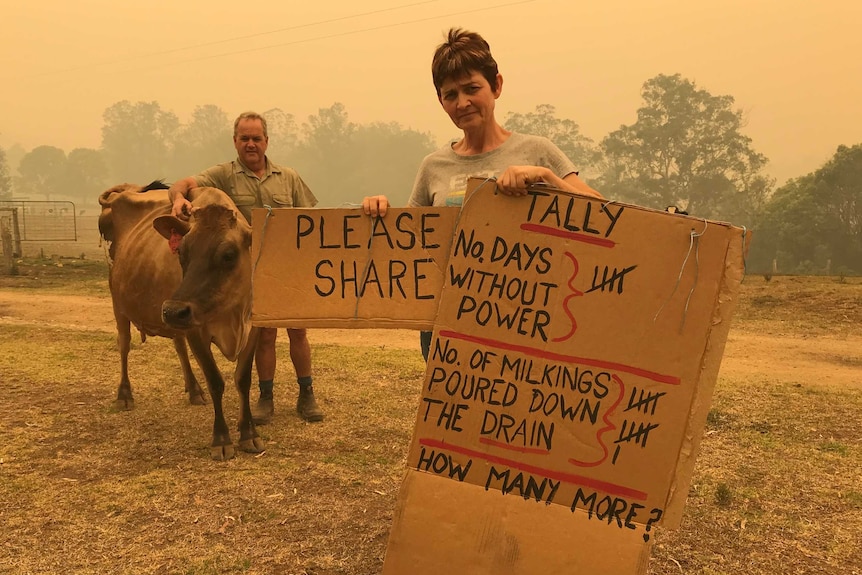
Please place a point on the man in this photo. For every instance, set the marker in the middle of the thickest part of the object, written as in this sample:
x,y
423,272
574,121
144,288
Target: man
x,y
253,181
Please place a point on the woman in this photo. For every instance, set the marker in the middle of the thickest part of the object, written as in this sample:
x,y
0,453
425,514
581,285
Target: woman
x,y
468,84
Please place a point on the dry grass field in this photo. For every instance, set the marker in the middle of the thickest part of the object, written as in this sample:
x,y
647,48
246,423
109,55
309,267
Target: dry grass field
x,y
85,489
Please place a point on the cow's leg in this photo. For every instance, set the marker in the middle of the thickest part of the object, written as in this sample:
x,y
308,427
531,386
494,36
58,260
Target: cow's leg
x,y
193,388
249,440
221,448
124,400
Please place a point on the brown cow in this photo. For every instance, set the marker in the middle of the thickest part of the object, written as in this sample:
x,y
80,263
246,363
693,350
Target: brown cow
x,y
209,301
126,224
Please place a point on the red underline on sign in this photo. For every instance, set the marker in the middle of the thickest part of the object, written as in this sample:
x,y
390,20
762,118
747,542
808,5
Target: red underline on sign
x,y
501,445
556,232
605,486
540,353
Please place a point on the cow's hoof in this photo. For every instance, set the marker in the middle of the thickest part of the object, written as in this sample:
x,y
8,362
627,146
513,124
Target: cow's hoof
x,y
253,445
222,452
124,404
197,399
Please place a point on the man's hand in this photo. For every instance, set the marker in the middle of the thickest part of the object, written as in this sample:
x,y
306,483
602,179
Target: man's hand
x,y
375,205
182,208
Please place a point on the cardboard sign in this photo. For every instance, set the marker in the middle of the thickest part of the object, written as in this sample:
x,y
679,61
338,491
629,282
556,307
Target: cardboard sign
x,y
341,268
574,356
576,346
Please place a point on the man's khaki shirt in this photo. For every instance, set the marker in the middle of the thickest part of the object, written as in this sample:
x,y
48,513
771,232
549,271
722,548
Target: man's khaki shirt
x,y
278,188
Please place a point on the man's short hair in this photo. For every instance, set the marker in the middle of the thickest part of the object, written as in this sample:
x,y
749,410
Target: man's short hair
x,y
250,116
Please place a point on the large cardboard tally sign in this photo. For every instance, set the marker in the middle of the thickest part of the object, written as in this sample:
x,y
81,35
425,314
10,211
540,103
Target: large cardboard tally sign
x,y
341,268
576,346
574,356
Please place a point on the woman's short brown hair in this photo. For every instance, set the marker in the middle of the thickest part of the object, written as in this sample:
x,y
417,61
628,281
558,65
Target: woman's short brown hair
x,y
460,55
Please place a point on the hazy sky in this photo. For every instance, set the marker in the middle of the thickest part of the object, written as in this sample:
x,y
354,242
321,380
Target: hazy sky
x,y
793,66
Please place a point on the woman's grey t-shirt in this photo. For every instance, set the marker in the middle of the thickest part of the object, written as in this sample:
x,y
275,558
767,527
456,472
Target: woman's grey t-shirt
x,y
442,176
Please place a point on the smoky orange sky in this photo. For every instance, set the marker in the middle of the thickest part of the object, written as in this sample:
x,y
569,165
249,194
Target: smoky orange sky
x,y
793,66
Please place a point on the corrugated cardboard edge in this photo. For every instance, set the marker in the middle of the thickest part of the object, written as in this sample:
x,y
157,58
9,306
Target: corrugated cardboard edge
x,y
728,296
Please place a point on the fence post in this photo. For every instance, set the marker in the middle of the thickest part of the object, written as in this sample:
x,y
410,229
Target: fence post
x,y
9,267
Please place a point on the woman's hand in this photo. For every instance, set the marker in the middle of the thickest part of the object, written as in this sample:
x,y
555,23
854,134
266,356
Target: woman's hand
x,y
375,205
515,180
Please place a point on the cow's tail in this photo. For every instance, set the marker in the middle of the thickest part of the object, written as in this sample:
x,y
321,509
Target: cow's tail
x,y
155,185
106,218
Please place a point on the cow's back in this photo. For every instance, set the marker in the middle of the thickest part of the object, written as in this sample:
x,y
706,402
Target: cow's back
x,y
143,272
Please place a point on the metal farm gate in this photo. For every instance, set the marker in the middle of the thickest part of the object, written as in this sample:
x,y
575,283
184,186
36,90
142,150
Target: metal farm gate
x,y
35,221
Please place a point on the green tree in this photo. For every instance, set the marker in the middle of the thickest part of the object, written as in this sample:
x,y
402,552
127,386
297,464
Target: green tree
x,y
137,140
686,149
814,222
5,178
86,175
329,130
565,133
203,142
14,154
342,161
283,135
42,172
323,155
386,159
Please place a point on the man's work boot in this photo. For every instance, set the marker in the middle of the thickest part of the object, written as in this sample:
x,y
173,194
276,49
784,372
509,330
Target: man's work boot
x,y
307,406
261,413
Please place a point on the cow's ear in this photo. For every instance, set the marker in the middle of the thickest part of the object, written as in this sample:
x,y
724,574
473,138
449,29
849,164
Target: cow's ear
x,y
169,225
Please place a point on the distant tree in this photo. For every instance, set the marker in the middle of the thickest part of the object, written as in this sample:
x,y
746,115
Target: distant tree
x,y
342,161
565,133
329,130
42,172
86,175
323,155
5,178
13,158
686,149
201,143
386,159
137,140
283,135
814,222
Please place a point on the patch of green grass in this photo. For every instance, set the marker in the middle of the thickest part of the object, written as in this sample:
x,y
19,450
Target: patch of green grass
x,y
719,419
853,499
219,566
723,495
833,447
766,300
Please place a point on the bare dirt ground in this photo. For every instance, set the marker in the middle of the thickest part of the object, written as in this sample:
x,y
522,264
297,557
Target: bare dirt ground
x,y
750,351
93,313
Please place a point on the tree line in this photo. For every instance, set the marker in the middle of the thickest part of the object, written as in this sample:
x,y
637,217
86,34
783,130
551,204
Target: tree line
x,y
685,149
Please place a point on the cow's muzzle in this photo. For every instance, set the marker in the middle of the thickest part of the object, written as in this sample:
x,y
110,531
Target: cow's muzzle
x,y
178,314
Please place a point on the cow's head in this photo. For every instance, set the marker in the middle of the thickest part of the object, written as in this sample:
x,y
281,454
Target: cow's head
x,y
214,252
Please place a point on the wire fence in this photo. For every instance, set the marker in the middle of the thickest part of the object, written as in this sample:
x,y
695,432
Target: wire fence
x,y
50,229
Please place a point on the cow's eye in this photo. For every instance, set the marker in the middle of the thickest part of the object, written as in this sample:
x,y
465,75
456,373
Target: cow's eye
x,y
229,256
